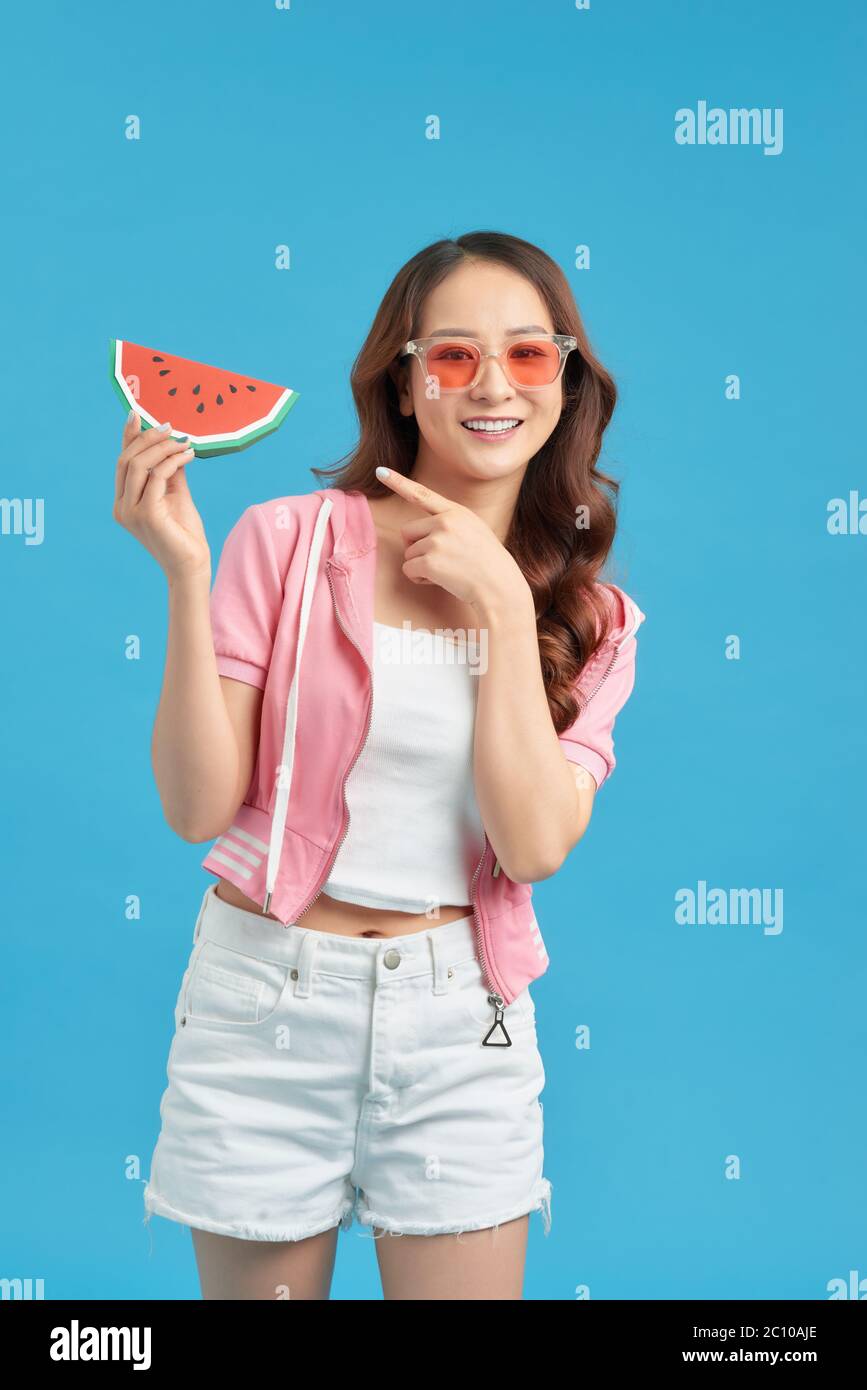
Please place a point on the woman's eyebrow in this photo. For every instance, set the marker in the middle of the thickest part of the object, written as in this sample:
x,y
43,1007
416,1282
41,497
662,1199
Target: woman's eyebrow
x,y
468,332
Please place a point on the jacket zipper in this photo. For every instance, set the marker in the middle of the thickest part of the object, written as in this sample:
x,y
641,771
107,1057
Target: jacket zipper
x,y
358,752
614,656
494,997
604,677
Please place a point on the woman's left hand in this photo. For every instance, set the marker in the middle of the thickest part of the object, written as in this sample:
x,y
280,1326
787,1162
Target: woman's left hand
x,y
454,548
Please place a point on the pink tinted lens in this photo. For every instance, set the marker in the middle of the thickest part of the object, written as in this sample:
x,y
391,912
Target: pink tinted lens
x,y
453,365
534,362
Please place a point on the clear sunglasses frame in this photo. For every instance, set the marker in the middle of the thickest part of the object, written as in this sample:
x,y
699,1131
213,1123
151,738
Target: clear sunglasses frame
x,y
419,347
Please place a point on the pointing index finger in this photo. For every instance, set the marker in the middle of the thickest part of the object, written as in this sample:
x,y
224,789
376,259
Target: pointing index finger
x,y
412,491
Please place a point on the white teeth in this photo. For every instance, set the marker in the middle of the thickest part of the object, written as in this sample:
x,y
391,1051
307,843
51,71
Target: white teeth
x,y
492,426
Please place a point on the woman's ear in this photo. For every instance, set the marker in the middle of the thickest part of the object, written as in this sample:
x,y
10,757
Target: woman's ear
x,y
400,376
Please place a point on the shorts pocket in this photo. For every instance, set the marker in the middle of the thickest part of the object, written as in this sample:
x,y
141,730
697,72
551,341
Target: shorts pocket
x,y
229,988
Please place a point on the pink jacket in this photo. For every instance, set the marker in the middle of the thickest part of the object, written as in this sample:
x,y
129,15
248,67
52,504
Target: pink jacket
x,y
309,646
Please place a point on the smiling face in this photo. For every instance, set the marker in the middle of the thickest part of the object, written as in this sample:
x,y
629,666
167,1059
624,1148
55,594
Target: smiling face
x,y
486,301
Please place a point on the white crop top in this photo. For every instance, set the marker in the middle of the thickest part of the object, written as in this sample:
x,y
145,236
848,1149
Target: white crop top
x,y
415,833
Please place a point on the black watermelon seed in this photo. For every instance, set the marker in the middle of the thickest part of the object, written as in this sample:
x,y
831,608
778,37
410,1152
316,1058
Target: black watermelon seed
x,y
158,359
233,389
200,407
166,371
219,399
196,390
173,390
251,388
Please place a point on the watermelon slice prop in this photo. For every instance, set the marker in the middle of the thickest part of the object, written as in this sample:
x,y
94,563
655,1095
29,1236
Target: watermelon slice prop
x,y
221,411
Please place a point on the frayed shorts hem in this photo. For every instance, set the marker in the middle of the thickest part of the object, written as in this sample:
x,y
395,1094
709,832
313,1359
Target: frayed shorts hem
x,y
340,1216
540,1202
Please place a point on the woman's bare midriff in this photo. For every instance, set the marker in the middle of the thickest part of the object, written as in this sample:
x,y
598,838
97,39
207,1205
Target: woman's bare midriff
x,y
349,919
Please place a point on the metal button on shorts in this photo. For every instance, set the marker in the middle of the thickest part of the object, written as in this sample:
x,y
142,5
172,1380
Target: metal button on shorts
x,y
391,959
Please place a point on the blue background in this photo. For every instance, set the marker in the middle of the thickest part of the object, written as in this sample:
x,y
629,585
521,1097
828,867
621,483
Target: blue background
x,y
307,127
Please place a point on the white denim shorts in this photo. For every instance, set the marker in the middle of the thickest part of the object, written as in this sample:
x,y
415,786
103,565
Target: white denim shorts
x,y
315,1078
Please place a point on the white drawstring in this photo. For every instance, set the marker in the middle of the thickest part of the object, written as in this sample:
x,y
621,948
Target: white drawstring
x,y
284,784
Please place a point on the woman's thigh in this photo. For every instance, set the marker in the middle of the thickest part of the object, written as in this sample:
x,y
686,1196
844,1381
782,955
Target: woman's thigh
x,y
486,1264
230,1268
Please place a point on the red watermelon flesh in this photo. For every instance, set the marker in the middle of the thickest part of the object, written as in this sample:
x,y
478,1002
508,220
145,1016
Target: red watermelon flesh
x,y
221,411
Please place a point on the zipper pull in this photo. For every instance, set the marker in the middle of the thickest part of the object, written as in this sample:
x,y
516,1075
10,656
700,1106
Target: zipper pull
x,y
496,868
503,1040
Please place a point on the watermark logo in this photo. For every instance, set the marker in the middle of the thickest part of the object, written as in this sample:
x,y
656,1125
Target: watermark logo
x,y
441,646
77,1343
737,126
23,516
853,1288
847,519
21,1289
723,907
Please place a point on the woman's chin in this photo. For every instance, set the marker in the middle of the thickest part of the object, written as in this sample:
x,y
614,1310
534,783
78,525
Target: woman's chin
x,y
492,460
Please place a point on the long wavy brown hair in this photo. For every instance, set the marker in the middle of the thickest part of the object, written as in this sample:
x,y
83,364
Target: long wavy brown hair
x,y
559,559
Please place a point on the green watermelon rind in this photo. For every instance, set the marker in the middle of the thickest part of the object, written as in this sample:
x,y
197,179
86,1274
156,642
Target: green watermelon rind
x,y
218,446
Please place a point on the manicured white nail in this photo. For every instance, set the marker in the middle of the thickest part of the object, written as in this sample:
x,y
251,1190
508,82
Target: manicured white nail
x,y
166,426
131,416
382,472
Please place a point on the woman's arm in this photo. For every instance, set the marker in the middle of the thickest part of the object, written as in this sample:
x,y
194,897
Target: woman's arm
x,y
206,729
534,803
587,744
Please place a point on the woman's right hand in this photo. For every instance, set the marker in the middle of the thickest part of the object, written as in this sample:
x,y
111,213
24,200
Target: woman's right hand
x,y
153,501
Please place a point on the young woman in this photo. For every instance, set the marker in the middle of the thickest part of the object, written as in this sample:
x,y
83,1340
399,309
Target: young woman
x,y
393,712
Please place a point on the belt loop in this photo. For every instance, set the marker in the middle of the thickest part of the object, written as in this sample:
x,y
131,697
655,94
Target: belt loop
x,y
440,960
303,967
197,930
